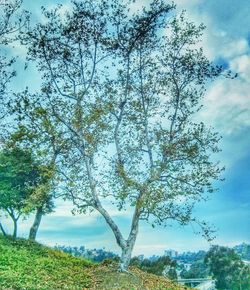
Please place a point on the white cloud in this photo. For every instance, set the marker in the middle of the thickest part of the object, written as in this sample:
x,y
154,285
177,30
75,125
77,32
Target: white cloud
x,y
19,50
220,44
227,103
63,216
188,4
241,65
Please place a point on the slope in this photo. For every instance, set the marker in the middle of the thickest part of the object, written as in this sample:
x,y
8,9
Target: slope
x,y
26,265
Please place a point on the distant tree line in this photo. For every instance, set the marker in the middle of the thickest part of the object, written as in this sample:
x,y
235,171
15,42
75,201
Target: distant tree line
x,y
243,250
222,264
158,265
95,255
162,266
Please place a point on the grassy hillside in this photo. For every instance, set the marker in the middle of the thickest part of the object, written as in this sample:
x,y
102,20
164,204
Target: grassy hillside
x,y
26,265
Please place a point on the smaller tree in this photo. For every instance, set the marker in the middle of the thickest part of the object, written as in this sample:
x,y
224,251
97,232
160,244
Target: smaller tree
x,y
228,269
42,198
21,179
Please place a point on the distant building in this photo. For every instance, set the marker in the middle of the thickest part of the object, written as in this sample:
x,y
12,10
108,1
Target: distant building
x,y
140,257
187,266
246,262
171,253
153,258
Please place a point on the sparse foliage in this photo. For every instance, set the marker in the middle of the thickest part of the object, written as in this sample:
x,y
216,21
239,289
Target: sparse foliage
x,y
119,93
10,23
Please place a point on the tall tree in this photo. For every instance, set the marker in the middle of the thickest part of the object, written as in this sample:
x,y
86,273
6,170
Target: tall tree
x,y
119,93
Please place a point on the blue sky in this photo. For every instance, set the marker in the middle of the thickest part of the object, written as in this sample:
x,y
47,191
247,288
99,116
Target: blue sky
x,y
226,107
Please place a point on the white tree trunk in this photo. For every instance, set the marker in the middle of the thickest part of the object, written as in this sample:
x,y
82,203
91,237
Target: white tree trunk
x,y
125,258
126,246
130,242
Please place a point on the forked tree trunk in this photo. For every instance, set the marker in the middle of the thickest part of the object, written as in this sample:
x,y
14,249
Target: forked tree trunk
x,y
126,246
130,243
14,219
36,223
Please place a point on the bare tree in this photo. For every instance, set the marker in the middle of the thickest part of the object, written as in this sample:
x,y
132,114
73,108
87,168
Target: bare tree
x,y
118,97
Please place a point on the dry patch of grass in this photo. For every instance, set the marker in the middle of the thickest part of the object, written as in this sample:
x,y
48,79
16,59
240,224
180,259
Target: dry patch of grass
x,y
107,278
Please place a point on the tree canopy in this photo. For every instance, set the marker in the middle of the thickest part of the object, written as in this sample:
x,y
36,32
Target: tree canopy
x,y
23,185
228,269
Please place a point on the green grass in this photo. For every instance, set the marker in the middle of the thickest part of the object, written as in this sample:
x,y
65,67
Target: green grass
x,y
26,265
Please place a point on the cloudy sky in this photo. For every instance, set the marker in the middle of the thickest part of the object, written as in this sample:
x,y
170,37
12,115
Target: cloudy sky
x,y
226,107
